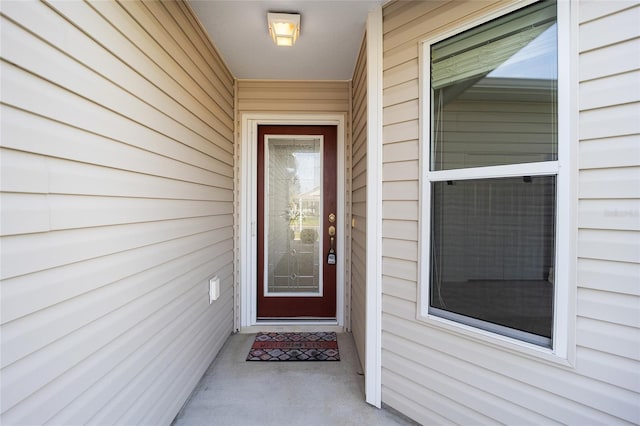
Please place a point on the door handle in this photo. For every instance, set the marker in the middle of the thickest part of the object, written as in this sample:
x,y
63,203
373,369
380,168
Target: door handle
x,y
331,256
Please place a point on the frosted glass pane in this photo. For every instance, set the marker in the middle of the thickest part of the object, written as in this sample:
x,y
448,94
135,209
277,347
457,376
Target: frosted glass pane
x,y
293,188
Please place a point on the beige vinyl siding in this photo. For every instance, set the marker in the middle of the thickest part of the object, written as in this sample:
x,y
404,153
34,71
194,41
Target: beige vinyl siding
x,y
359,203
436,377
117,203
293,96
608,309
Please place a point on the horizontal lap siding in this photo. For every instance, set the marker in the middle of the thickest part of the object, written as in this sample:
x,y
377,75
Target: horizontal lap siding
x,y
608,305
435,377
293,96
117,208
359,203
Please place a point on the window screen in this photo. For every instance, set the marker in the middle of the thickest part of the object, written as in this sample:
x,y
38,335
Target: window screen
x,y
493,253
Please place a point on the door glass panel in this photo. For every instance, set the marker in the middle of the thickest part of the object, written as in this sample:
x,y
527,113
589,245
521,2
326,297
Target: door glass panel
x,y
293,186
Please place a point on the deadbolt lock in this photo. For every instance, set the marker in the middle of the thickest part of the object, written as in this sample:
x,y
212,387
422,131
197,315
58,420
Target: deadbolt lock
x,y
332,231
332,217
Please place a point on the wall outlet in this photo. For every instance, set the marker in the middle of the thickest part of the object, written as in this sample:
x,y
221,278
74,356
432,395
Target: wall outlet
x,y
214,289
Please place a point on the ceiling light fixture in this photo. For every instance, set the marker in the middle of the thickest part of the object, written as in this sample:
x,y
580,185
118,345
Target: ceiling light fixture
x,y
284,28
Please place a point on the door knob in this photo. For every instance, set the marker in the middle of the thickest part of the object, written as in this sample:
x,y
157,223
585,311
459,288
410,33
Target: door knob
x,y
332,231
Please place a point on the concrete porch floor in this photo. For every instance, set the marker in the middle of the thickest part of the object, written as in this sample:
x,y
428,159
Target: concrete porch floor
x,y
236,392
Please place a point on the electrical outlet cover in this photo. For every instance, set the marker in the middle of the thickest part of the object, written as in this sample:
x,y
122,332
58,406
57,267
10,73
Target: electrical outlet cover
x,y
214,289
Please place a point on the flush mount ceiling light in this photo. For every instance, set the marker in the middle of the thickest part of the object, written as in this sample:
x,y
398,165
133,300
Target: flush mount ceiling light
x,y
284,28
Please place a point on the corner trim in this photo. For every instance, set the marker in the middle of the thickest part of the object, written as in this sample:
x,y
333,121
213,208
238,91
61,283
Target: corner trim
x,y
373,334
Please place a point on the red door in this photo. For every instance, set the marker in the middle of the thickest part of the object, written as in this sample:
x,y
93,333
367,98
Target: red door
x,y
297,218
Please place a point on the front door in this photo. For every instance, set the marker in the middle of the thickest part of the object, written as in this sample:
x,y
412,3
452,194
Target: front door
x,y
297,221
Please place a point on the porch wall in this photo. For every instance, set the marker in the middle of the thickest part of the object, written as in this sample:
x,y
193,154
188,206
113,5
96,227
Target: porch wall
x,y
303,97
265,96
359,203
436,377
117,201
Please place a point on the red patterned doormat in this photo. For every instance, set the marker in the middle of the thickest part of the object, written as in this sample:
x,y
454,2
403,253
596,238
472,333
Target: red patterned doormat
x,y
315,346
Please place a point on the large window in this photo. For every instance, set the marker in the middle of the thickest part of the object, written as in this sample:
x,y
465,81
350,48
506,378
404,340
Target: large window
x,y
491,176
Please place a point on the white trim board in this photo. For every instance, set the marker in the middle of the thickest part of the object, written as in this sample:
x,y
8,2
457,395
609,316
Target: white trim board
x,y
373,333
292,328
248,209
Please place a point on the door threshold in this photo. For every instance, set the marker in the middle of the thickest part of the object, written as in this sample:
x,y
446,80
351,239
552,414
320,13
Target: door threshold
x,y
293,325
296,320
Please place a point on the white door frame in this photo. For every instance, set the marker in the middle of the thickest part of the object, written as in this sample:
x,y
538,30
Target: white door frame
x,y
247,197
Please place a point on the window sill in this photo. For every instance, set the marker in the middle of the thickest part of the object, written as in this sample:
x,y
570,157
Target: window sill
x,y
497,341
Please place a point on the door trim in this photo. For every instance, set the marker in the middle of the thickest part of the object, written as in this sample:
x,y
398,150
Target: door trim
x,y
246,304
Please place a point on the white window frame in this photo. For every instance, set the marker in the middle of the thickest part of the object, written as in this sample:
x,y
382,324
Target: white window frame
x,y
565,169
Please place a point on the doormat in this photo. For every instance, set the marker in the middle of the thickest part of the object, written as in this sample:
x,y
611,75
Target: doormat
x,y
314,346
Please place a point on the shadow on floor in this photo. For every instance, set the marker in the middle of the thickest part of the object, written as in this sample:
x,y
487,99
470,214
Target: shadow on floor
x,y
236,392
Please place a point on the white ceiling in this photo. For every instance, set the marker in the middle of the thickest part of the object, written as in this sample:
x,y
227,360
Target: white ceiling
x,y
331,33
